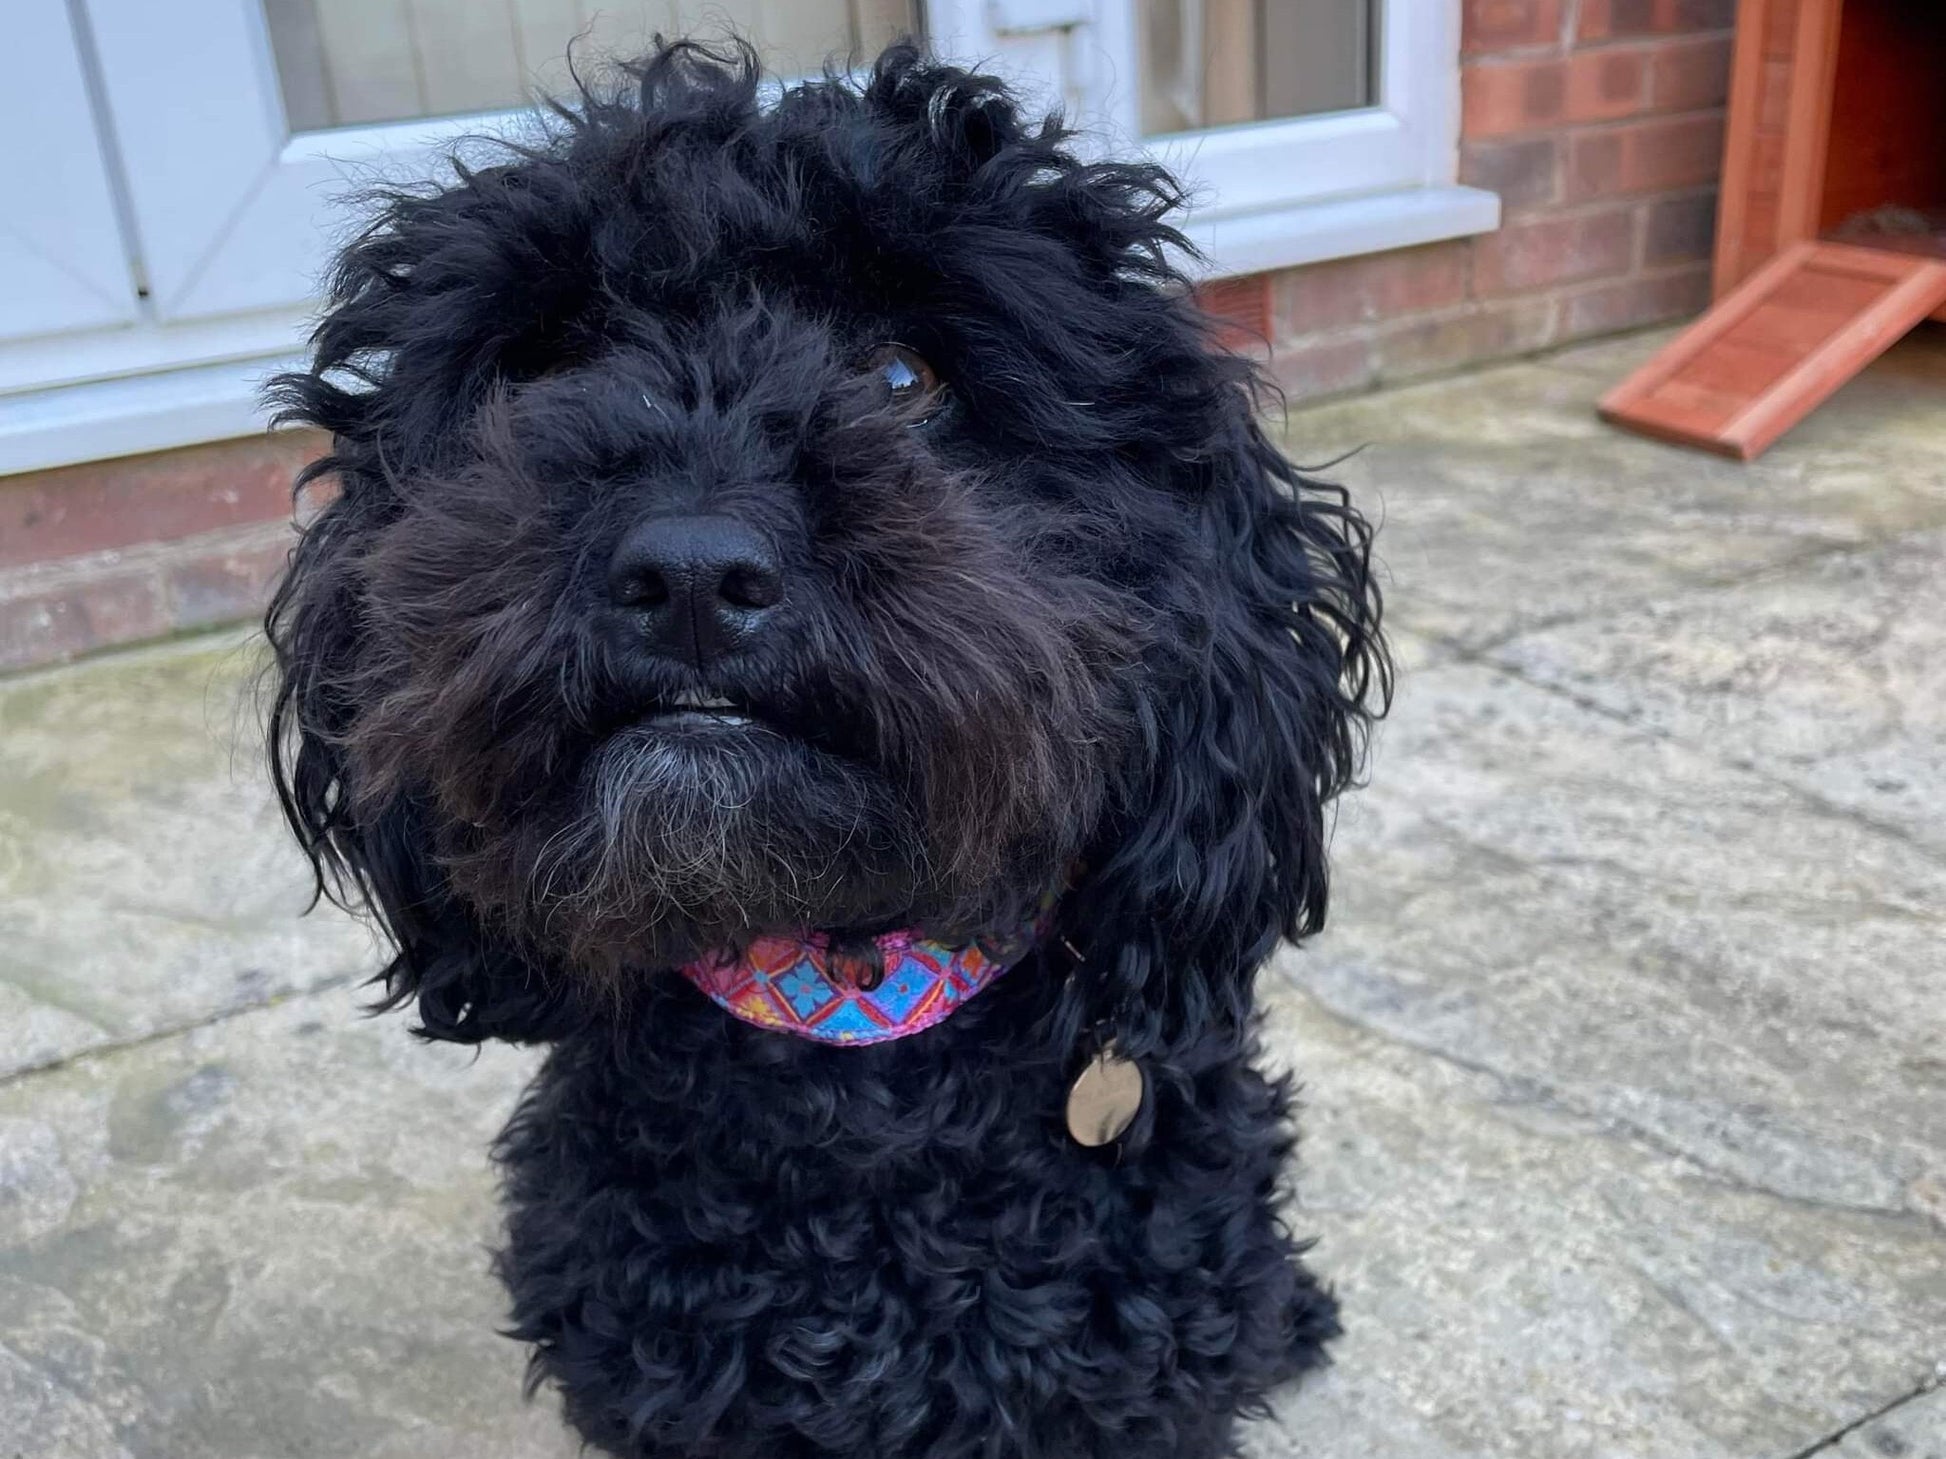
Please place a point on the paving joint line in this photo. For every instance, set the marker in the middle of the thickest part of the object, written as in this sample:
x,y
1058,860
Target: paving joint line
x,y
173,1031
1831,1440
1465,655
1703,583
1516,1089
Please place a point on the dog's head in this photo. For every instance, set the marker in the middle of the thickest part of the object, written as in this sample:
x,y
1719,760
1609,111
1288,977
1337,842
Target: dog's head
x,y
828,513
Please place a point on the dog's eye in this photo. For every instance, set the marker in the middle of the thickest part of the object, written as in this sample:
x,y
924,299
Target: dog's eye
x,y
915,389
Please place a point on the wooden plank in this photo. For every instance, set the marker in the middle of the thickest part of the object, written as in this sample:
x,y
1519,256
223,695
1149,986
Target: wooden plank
x,y
368,61
875,24
299,52
1746,168
468,56
1807,132
797,37
623,29
1721,317
1230,87
1859,341
1776,347
1782,77
543,30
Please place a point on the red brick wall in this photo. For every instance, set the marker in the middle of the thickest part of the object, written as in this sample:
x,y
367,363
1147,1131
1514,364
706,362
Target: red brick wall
x,y
142,546
1600,124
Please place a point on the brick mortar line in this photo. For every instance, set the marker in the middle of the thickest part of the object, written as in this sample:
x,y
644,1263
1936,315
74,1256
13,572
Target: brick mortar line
x,y
1470,308
60,572
1720,110
1570,130
1594,207
1657,41
79,1057
1527,214
1648,272
1528,52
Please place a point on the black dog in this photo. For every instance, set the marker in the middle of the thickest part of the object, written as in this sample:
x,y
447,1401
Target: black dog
x,y
827,518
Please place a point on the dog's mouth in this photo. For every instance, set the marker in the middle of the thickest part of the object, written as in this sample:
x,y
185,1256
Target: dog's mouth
x,y
698,710
724,719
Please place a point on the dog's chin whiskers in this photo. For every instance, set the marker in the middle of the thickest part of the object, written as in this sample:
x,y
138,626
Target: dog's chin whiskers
x,y
666,842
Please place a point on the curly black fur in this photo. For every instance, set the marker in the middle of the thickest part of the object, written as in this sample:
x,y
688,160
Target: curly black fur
x,y
1083,624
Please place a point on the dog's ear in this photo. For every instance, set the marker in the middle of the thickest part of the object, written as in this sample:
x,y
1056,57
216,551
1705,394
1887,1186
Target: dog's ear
x,y
1263,721
379,857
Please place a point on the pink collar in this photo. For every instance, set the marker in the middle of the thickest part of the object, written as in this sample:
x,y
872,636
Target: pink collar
x,y
789,984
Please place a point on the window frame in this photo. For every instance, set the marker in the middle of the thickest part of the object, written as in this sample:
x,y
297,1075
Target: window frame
x,y
1407,138
1262,195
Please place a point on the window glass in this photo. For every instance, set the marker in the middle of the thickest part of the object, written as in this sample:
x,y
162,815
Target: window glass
x,y
1215,63
347,62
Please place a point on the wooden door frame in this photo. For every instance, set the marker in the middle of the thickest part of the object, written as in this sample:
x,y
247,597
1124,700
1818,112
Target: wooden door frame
x,y
1807,73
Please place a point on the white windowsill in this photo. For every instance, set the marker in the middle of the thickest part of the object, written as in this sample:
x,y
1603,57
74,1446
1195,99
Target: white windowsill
x,y
125,416
156,390
1301,233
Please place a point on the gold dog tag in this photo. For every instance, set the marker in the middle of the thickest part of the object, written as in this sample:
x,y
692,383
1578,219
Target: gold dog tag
x,y
1104,1098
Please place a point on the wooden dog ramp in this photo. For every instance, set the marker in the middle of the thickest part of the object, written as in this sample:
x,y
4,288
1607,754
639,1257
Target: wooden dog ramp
x,y
1777,345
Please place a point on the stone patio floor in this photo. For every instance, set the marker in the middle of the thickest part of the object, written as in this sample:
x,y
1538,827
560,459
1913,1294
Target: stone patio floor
x,y
1624,1057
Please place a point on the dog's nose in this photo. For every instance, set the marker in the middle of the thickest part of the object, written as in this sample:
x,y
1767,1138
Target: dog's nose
x,y
699,587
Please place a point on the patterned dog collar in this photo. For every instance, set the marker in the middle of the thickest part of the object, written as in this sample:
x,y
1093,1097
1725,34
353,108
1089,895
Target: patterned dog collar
x,y
789,984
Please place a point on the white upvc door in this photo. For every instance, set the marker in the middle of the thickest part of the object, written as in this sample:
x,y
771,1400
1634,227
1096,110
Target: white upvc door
x,y
1371,166
236,202
62,261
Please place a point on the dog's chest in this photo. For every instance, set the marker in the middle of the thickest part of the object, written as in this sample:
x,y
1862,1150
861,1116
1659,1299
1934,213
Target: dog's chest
x,y
856,1233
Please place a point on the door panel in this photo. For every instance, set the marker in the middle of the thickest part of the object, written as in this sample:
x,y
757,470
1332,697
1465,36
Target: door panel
x,y
62,265
197,157
236,209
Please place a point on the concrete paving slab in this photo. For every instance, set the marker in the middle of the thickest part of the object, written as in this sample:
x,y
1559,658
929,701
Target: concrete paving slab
x,y
1829,675
1522,1280
1632,1063
263,1238
146,881
1696,955
1509,506
1889,413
